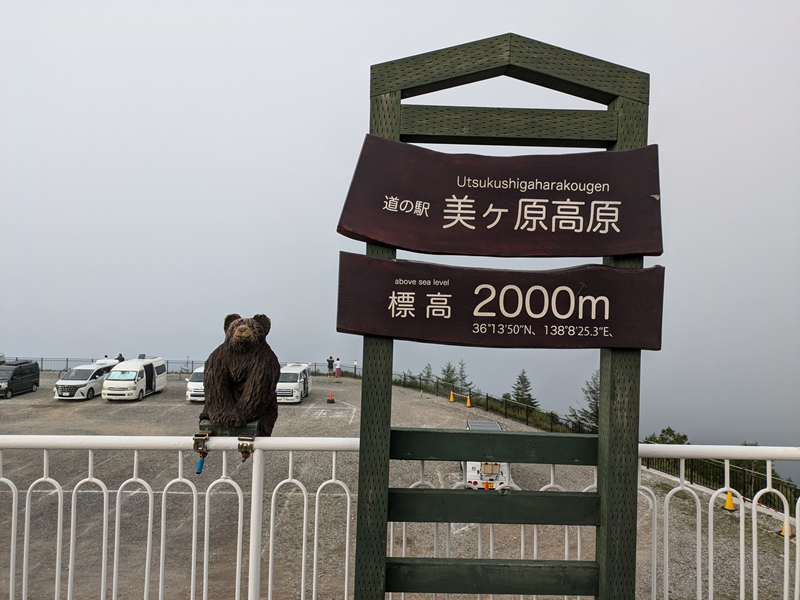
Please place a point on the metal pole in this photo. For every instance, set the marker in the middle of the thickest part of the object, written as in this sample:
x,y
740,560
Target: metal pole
x,y
256,498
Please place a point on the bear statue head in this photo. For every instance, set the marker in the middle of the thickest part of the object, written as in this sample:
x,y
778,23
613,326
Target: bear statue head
x,y
242,335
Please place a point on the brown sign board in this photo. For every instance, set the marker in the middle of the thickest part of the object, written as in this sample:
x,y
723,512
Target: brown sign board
x,y
584,204
591,306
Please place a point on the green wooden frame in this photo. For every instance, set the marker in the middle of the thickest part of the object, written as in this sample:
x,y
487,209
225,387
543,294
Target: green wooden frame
x,y
625,92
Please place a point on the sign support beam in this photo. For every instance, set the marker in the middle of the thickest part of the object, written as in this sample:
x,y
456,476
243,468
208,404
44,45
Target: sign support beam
x,y
376,413
618,429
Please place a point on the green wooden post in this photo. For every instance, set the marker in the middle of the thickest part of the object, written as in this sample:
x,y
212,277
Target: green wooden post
x,y
618,435
376,413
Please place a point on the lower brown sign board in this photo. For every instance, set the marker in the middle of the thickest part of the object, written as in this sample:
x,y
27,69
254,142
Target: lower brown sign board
x,y
591,306
583,204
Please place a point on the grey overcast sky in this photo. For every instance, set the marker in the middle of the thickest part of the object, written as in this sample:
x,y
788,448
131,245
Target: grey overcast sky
x,y
165,163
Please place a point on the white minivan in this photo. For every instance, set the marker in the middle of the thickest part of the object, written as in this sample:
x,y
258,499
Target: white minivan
x,y
135,379
83,382
194,386
294,383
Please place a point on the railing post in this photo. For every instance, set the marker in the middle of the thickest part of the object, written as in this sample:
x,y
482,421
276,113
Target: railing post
x,y
256,510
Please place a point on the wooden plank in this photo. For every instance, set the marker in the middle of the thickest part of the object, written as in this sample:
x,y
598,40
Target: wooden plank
x,y
419,505
516,56
507,126
580,307
482,576
493,446
619,420
442,69
376,411
580,204
575,74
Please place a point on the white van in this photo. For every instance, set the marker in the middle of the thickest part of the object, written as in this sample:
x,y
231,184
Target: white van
x,y
294,383
135,379
486,475
194,386
83,382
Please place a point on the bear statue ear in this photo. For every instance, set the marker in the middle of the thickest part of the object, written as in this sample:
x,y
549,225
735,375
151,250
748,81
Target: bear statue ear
x,y
230,319
265,323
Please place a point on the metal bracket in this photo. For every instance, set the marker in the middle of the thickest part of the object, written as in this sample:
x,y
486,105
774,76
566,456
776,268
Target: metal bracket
x,y
200,440
246,445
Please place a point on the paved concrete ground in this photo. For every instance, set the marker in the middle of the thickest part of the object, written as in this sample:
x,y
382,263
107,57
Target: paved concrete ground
x,y
168,413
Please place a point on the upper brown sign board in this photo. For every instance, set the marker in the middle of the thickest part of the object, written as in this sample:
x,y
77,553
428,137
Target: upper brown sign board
x,y
585,204
592,306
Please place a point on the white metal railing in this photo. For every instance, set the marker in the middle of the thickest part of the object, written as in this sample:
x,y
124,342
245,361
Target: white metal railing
x,y
298,479
768,454
218,447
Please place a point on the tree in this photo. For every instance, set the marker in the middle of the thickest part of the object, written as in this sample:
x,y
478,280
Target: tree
x,y
521,392
462,375
427,373
591,395
668,436
449,374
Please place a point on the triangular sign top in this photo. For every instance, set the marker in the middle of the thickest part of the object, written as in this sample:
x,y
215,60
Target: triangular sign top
x,y
513,56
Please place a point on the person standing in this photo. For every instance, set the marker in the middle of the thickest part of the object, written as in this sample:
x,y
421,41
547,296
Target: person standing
x,y
330,366
337,365
120,358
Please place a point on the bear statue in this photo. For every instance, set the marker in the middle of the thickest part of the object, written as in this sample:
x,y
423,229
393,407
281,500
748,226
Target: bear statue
x,y
241,376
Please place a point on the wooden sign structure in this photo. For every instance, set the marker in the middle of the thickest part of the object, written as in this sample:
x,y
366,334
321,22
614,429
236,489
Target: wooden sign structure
x,y
612,508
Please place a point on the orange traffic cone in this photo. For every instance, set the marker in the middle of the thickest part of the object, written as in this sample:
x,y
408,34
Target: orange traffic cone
x,y
784,530
451,396
330,399
469,405
729,504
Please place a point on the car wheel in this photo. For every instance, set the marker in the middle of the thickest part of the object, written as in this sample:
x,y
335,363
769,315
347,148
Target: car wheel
x,y
34,387
141,395
90,394
8,394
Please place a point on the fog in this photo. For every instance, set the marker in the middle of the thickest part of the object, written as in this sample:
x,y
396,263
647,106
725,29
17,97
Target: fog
x,y
163,164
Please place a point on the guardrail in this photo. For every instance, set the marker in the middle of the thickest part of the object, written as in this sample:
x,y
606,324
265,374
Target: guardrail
x,y
79,505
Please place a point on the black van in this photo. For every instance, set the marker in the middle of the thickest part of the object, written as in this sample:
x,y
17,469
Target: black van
x,y
18,376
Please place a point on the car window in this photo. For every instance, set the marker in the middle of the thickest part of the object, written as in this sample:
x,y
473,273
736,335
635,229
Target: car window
x,y
161,369
122,375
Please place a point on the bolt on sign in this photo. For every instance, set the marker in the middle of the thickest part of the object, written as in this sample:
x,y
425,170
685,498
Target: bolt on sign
x,y
588,204
591,306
